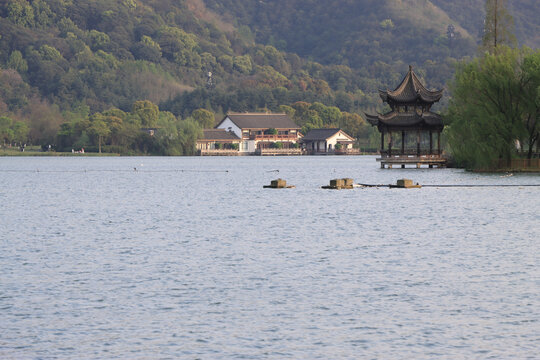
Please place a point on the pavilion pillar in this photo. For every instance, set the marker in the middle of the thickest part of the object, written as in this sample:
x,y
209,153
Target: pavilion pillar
x,y
390,144
439,143
403,143
418,143
382,141
430,142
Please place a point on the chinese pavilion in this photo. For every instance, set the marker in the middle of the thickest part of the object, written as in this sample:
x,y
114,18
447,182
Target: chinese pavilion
x,y
408,129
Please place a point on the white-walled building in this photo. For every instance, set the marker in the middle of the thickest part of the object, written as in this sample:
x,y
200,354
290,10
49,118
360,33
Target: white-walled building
x,y
260,132
327,141
218,142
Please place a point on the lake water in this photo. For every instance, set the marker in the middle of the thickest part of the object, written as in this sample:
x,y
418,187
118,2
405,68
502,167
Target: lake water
x,y
191,258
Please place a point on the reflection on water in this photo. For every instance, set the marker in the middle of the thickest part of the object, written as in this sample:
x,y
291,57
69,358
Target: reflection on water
x,y
101,261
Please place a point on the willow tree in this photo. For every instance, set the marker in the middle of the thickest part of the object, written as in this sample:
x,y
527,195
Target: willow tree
x,y
498,26
495,105
531,98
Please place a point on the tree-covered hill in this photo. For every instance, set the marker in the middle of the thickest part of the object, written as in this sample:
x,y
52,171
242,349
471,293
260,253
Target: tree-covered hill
x,y
63,60
354,33
470,14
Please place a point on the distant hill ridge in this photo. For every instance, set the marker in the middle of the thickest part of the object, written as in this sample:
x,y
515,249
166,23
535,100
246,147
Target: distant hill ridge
x,y
86,56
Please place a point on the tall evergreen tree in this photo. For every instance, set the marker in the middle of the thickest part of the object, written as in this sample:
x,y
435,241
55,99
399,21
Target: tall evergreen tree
x,y
498,26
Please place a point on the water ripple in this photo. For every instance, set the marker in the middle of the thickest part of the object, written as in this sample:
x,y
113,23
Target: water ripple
x,y
210,265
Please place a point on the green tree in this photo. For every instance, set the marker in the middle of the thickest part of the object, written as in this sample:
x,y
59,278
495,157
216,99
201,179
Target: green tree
x,y
147,49
20,132
354,125
147,111
287,110
116,125
189,131
43,13
498,26
204,117
99,128
50,53
98,40
21,13
491,105
530,70
227,62
243,64
175,43
17,62
6,133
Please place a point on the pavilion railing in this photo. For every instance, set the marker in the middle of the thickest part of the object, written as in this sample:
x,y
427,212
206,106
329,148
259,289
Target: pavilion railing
x,y
410,152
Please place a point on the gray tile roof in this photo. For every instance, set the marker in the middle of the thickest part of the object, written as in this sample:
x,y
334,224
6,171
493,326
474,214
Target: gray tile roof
x,y
219,134
262,121
320,134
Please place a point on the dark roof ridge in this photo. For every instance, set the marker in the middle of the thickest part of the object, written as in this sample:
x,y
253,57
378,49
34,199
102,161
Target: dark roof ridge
x,y
411,89
261,121
255,113
323,133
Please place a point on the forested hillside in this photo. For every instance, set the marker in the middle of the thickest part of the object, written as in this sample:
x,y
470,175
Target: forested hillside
x,y
470,13
63,61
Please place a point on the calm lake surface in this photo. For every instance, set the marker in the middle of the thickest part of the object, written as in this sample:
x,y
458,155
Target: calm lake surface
x,y
100,261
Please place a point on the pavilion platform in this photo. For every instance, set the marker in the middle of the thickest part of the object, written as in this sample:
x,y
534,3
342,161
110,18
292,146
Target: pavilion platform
x,y
404,161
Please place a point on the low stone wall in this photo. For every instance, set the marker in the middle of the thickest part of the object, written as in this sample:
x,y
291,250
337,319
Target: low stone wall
x,y
279,152
220,153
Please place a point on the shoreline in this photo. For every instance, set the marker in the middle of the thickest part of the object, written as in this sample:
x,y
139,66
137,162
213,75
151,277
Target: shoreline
x,y
14,153
52,153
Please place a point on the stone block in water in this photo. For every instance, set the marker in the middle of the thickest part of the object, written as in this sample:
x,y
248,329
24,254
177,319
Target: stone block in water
x,y
337,182
278,183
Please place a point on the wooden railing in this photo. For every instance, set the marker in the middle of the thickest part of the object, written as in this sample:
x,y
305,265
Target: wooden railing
x,y
273,137
410,152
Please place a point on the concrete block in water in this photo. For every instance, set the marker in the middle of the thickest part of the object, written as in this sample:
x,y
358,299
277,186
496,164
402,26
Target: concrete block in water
x,y
338,184
278,184
406,184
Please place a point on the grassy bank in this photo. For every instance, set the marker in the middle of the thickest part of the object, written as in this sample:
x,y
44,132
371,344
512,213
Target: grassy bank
x,y
14,152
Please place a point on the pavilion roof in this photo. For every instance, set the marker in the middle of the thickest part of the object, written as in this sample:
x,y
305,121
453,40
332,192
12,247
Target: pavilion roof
x,y
411,90
406,119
